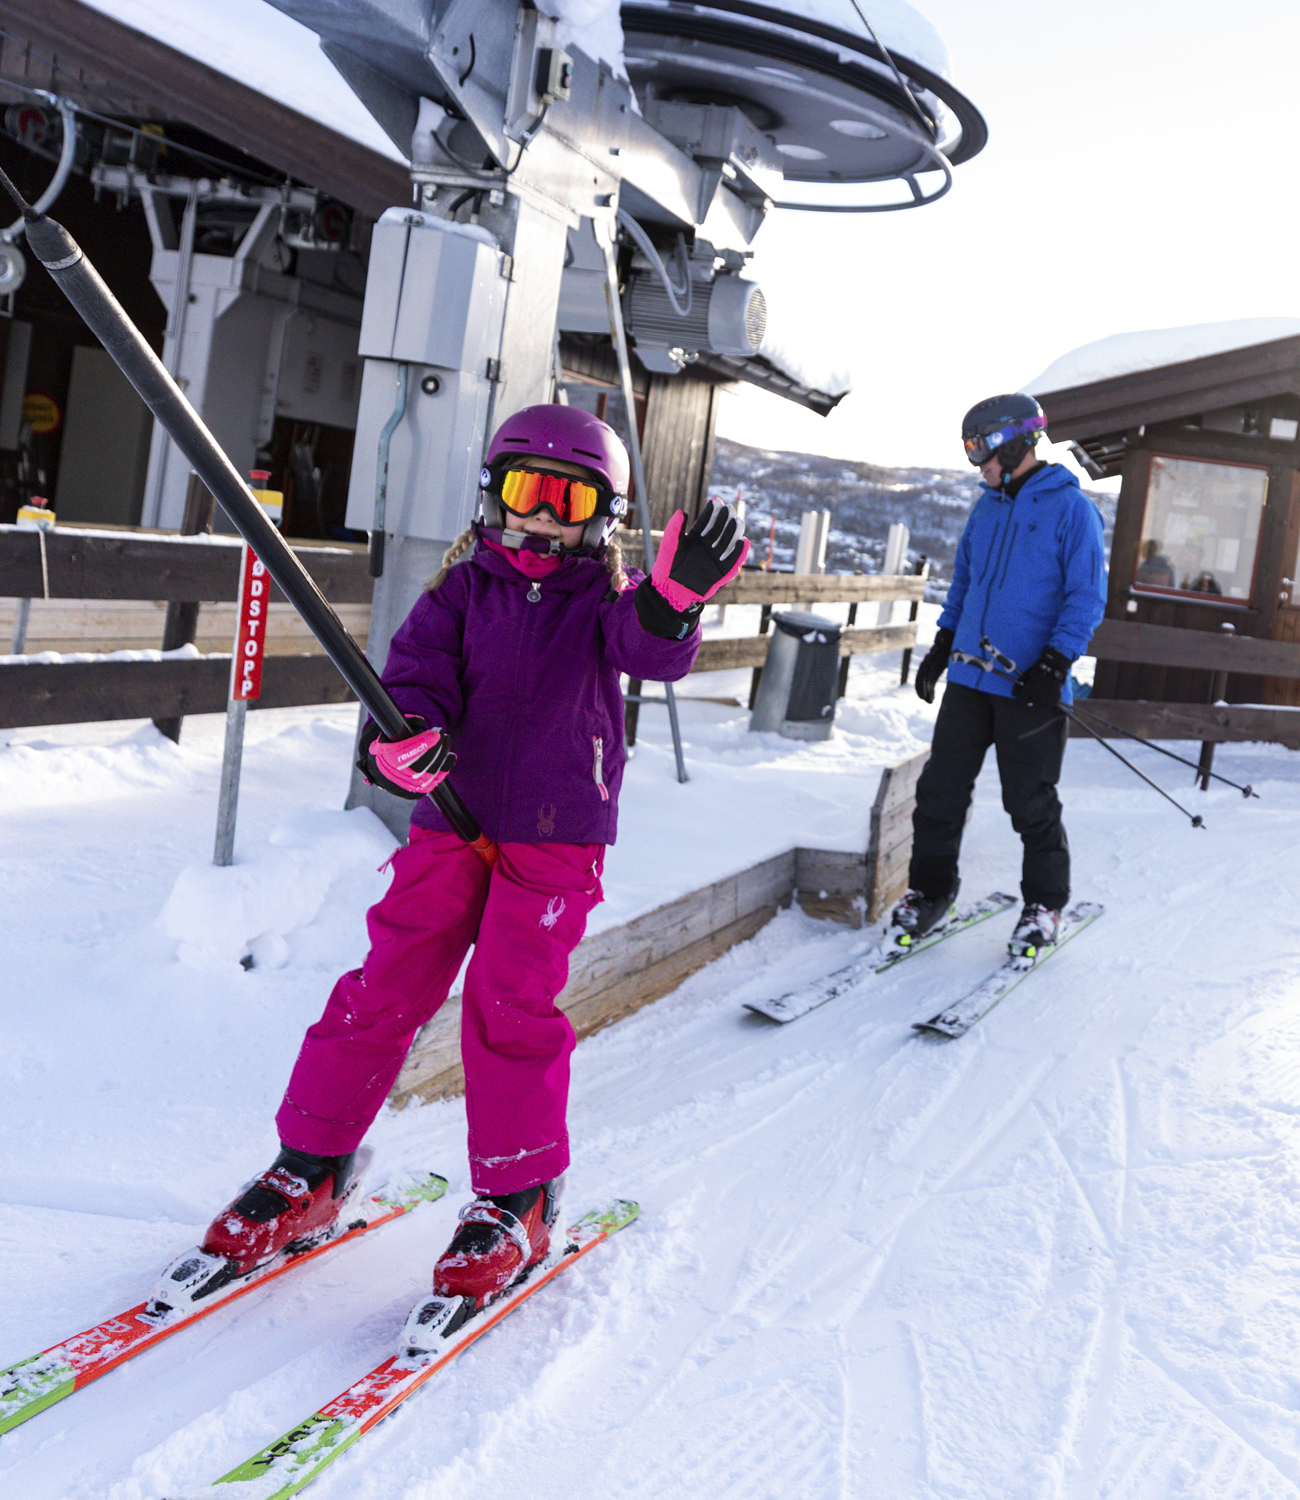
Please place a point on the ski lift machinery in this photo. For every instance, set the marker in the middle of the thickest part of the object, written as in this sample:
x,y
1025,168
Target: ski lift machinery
x,y
551,193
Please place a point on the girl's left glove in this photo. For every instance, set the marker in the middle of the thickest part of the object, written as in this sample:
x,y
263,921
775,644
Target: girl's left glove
x,y
688,570
408,768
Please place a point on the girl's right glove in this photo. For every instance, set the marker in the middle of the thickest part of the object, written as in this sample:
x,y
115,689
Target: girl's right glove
x,y
688,570
408,768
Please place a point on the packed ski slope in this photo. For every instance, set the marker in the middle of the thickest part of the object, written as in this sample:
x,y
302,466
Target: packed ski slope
x,y
1058,1258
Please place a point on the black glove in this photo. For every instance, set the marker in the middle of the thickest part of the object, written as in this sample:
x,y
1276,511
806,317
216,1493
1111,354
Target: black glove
x,y
934,665
439,758
1041,685
659,618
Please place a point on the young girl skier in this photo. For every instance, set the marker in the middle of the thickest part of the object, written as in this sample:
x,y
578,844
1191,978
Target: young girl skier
x,y
514,654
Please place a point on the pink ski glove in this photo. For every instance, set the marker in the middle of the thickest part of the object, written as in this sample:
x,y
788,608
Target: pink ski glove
x,y
411,767
690,569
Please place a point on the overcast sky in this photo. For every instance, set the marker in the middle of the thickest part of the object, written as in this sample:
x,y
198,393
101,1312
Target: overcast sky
x,y
1141,173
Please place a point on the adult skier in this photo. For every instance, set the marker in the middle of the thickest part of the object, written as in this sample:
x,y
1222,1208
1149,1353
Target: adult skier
x,y
1030,577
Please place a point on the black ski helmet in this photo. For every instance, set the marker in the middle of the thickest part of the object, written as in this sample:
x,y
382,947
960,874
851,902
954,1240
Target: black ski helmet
x,y
1003,427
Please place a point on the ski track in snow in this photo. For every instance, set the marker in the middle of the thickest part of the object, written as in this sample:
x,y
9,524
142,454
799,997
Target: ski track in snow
x,y
1055,1260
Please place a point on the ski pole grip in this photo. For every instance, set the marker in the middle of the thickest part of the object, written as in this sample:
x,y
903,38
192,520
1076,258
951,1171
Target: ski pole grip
x,y
83,286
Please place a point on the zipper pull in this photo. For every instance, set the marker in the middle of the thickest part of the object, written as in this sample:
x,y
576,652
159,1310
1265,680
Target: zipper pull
x,y
534,594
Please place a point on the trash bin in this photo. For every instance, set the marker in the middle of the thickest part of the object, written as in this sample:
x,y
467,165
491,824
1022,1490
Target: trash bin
x,y
796,695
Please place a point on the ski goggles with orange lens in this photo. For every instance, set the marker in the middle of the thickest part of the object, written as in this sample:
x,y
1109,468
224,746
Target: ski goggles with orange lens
x,y
570,501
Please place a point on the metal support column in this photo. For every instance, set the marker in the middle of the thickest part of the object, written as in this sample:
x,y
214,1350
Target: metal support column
x,y
606,233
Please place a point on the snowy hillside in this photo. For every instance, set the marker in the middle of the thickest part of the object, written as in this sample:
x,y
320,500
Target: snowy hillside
x,y
864,501
1055,1259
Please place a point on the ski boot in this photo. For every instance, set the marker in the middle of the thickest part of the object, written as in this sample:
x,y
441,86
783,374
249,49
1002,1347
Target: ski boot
x,y
917,914
500,1239
293,1206
1038,928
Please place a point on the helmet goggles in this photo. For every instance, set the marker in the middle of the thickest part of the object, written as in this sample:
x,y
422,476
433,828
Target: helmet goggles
x,y
980,447
571,501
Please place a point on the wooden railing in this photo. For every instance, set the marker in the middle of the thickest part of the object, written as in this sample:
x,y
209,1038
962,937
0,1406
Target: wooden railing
x,y
1217,652
67,564
134,574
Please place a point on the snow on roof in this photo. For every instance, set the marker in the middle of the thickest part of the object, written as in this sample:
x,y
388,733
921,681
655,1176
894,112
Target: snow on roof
x,y
1126,353
261,47
899,27
806,361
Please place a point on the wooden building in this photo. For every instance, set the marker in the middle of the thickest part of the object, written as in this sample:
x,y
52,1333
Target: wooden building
x,y
1207,533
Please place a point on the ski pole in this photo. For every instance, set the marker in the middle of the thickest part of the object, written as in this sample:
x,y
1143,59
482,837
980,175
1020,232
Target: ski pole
x,y
1246,791
1015,675
83,286
1197,820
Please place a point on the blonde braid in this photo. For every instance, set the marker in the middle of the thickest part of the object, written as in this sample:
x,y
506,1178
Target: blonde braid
x,y
614,562
451,557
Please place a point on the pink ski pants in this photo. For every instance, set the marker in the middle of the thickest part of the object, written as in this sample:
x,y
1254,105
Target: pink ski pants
x,y
524,918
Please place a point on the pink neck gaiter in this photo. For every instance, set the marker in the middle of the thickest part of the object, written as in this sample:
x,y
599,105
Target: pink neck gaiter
x,y
530,564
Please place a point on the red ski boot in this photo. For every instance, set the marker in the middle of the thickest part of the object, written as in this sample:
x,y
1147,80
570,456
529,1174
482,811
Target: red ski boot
x,y
499,1240
292,1206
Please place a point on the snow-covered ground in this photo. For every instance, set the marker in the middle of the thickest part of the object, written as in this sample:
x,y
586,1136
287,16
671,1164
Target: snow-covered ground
x,y
1058,1258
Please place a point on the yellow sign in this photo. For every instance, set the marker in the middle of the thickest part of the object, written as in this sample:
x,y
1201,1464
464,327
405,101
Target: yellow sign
x,y
41,412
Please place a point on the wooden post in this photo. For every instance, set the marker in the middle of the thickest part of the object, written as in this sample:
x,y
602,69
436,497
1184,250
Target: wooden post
x,y
889,850
183,616
922,563
843,685
1218,687
764,622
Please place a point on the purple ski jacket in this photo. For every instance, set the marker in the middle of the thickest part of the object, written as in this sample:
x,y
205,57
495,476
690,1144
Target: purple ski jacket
x,y
528,690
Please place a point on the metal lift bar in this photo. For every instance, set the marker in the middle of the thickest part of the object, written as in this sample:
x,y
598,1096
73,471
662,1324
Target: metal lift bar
x,y
619,336
83,286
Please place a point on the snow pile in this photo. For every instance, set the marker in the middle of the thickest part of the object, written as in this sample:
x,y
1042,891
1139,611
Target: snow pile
x,y
219,916
1127,353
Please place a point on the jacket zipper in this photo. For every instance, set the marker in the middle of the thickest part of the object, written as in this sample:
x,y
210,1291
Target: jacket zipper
x,y
598,767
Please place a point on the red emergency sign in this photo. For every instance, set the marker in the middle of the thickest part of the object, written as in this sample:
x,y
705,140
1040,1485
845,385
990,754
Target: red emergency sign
x,y
250,636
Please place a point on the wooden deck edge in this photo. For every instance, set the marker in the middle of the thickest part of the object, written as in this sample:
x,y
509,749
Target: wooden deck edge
x,y
616,972
433,1069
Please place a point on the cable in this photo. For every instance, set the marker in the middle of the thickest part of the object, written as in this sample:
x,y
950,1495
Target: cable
x,y
888,56
646,247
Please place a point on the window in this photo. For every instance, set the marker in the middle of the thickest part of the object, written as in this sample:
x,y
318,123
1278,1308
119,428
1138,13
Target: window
x,y
1200,530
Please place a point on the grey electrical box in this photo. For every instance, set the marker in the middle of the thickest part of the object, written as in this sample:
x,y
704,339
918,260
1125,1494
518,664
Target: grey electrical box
x,y
797,693
435,300
434,453
435,293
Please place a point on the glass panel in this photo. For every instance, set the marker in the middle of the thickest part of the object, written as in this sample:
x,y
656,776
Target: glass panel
x,y
1201,528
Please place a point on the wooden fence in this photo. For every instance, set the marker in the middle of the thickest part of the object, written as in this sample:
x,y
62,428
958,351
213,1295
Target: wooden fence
x,y
94,591
1210,651
141,574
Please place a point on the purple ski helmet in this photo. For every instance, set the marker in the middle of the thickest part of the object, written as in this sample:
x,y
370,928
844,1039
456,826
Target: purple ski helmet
x,y
573,436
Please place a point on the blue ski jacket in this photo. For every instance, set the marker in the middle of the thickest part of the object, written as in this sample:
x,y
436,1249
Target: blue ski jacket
x,y
1030,573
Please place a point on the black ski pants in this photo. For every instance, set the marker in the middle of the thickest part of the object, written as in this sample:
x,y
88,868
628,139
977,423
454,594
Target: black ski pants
x,y
1030,744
